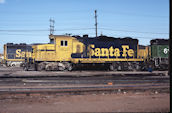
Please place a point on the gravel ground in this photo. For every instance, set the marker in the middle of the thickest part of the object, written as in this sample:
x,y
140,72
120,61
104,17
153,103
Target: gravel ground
x,y
128,102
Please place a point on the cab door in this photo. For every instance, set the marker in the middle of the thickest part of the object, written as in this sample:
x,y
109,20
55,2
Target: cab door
x,y
63,49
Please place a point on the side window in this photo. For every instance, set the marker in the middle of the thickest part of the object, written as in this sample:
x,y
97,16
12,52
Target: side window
x,y
64,43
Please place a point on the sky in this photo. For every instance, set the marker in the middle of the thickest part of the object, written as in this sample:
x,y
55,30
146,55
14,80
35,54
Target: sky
x,y
27,21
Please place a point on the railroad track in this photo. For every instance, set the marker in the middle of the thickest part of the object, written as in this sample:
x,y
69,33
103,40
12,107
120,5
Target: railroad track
x,y
87,89
84,80
79,85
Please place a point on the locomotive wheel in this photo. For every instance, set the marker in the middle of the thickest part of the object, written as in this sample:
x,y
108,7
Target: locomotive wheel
x,y
49,68
119,68
13,65
137,67
61,68
111,67
39,67
25,67
69,68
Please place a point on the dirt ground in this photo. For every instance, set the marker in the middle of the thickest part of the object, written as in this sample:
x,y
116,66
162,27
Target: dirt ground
x,y
123,102
120,102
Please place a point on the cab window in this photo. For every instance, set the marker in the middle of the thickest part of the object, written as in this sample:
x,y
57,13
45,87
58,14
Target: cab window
x,y
64,43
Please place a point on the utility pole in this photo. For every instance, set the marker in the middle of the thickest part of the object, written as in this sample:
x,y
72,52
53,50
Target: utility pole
x,y
51,26
96,22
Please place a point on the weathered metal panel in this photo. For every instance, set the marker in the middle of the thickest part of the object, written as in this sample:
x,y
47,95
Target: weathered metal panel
x,y
143,52
159,51
163,51
17,51
101,43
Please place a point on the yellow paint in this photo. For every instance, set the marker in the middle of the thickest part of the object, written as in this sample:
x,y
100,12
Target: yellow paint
x,y
5,52
77,46
23,54
143,53
44,52
56,51
104,60
117,52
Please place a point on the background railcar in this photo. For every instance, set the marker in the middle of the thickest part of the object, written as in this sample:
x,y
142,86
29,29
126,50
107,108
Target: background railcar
x,y
14,54
160,53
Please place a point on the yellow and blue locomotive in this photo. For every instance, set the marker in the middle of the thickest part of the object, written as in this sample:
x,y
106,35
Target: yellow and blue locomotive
x,y
66,52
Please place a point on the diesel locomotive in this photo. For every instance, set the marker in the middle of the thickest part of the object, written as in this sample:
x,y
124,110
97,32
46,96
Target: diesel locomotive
x,y
15,54
159,53
67,52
